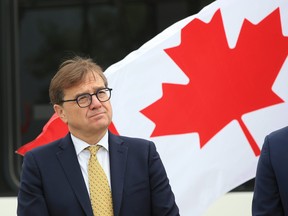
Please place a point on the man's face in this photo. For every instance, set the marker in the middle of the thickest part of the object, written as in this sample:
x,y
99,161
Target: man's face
x,y
90,121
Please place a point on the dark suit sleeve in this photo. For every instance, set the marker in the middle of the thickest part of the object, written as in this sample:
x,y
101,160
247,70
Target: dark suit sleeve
x,y
30,197
163,200
266,198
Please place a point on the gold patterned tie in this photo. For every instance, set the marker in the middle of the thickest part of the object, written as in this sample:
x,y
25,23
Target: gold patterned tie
x,y
100,193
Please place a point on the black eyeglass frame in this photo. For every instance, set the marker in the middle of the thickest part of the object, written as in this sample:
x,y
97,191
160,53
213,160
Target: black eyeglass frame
x,y
96,94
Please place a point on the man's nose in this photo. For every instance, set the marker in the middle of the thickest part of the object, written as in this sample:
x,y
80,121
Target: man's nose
x,y
95,101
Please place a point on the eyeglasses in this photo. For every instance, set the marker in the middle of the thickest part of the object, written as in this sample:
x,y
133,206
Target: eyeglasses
x,y
84,100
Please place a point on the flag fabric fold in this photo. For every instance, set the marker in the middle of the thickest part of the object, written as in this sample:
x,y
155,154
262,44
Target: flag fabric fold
x,y
54,129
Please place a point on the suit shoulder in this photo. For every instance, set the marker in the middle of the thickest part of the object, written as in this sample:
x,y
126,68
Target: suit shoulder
x,y
278,139
134,139
133,142
44,149
282,132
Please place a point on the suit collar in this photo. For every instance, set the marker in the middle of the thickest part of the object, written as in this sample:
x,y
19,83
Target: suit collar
x,y
68,159
118,158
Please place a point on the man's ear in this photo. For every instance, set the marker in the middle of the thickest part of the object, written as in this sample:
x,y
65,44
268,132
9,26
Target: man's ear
x,y
60,112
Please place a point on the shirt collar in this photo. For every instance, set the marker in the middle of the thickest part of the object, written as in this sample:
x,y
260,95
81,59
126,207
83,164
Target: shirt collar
x,y
80,145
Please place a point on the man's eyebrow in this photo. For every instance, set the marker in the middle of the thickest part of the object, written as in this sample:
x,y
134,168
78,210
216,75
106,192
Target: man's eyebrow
x,y
80,94
98,88
94,91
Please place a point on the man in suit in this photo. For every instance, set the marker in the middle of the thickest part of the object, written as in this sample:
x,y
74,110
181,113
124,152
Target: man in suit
x,y
271,182
55,179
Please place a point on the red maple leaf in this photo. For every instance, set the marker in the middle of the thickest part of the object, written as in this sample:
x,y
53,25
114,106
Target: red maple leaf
x,y
224,83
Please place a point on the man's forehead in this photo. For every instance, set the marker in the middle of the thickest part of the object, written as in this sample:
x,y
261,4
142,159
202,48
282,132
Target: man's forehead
x,y
93,76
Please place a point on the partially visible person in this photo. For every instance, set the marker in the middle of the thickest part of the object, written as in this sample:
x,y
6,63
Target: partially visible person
x,y
271,182
55,179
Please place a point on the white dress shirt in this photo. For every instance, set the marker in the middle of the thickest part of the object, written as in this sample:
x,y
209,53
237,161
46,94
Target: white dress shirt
x,y
83,156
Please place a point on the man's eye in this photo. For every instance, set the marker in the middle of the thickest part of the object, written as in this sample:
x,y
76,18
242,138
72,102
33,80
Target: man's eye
x,y
82,98
101,92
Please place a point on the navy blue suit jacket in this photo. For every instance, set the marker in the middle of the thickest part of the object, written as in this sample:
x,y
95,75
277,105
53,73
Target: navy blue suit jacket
x,y
271,182
52,182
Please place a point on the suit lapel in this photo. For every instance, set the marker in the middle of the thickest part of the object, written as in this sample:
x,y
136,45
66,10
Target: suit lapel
x,y
68,159
118,157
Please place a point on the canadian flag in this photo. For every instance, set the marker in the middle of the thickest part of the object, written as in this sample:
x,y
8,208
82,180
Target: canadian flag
x,y
207,90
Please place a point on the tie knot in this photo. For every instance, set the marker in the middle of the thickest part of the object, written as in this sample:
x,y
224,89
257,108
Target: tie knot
x,y
93,149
